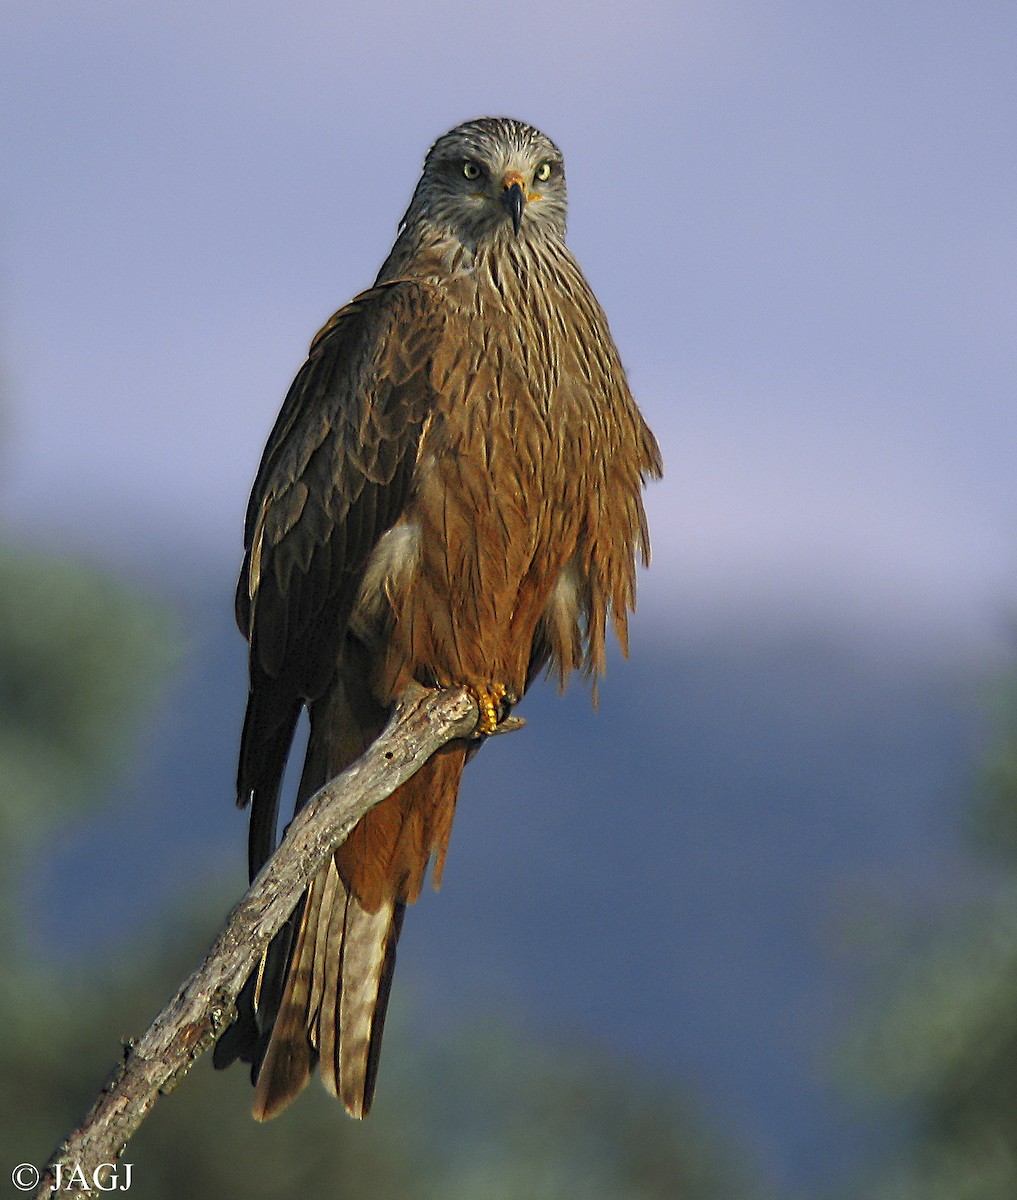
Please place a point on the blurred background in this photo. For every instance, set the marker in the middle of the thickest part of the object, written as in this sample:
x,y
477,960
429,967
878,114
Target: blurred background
x,y
751,928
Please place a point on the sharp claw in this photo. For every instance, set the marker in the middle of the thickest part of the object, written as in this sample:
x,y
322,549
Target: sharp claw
x,y
488,700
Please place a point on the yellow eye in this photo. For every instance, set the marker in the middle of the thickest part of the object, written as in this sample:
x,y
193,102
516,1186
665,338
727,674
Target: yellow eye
x,y
543,172
470,169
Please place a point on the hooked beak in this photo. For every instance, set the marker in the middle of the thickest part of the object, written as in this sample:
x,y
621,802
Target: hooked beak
x,y
514,197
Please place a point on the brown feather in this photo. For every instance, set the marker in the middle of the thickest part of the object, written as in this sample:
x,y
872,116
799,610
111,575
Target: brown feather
x,y
451,495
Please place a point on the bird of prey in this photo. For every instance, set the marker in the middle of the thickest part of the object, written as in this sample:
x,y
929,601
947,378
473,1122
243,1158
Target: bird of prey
x,y
451,495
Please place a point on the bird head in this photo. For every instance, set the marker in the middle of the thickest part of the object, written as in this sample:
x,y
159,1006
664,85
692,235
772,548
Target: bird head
x,y
492,178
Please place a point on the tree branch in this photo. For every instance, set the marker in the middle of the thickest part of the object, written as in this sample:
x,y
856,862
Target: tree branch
x,y
421,724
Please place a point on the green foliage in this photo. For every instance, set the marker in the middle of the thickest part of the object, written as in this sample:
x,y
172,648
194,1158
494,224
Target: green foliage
x,y
77,653
943,1047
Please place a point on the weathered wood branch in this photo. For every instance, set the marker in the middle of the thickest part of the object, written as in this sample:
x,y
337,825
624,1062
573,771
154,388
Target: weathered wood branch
x,y
421,724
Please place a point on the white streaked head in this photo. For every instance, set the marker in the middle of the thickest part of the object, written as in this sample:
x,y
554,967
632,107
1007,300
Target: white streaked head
x,y
492,177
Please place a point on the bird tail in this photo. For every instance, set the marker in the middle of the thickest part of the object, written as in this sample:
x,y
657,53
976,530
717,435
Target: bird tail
x,y
321,991
334,994
333,1001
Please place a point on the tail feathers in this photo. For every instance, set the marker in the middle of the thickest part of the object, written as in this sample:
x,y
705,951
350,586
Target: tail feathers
x,y
257,1004
322,990
334,1002
286,1056
349,1036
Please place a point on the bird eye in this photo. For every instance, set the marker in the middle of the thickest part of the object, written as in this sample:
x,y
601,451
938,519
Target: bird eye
x,y
470,169
543,173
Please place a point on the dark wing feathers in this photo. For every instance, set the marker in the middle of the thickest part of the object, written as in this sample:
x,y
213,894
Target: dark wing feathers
x,y
335,475
352,413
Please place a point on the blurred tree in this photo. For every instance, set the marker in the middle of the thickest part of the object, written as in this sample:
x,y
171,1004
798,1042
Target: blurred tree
x,y
489,1118
943,1048
77,653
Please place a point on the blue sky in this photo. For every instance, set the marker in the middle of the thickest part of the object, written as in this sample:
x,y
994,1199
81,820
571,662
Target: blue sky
x,y
801,220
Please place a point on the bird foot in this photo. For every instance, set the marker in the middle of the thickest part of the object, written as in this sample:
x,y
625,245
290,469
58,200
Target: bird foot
x,y
488,700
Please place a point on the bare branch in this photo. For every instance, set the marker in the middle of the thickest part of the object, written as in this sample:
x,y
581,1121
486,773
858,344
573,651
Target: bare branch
x,y
204,1005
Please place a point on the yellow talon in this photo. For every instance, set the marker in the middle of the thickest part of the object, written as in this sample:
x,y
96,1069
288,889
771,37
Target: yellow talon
x,y
488,700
